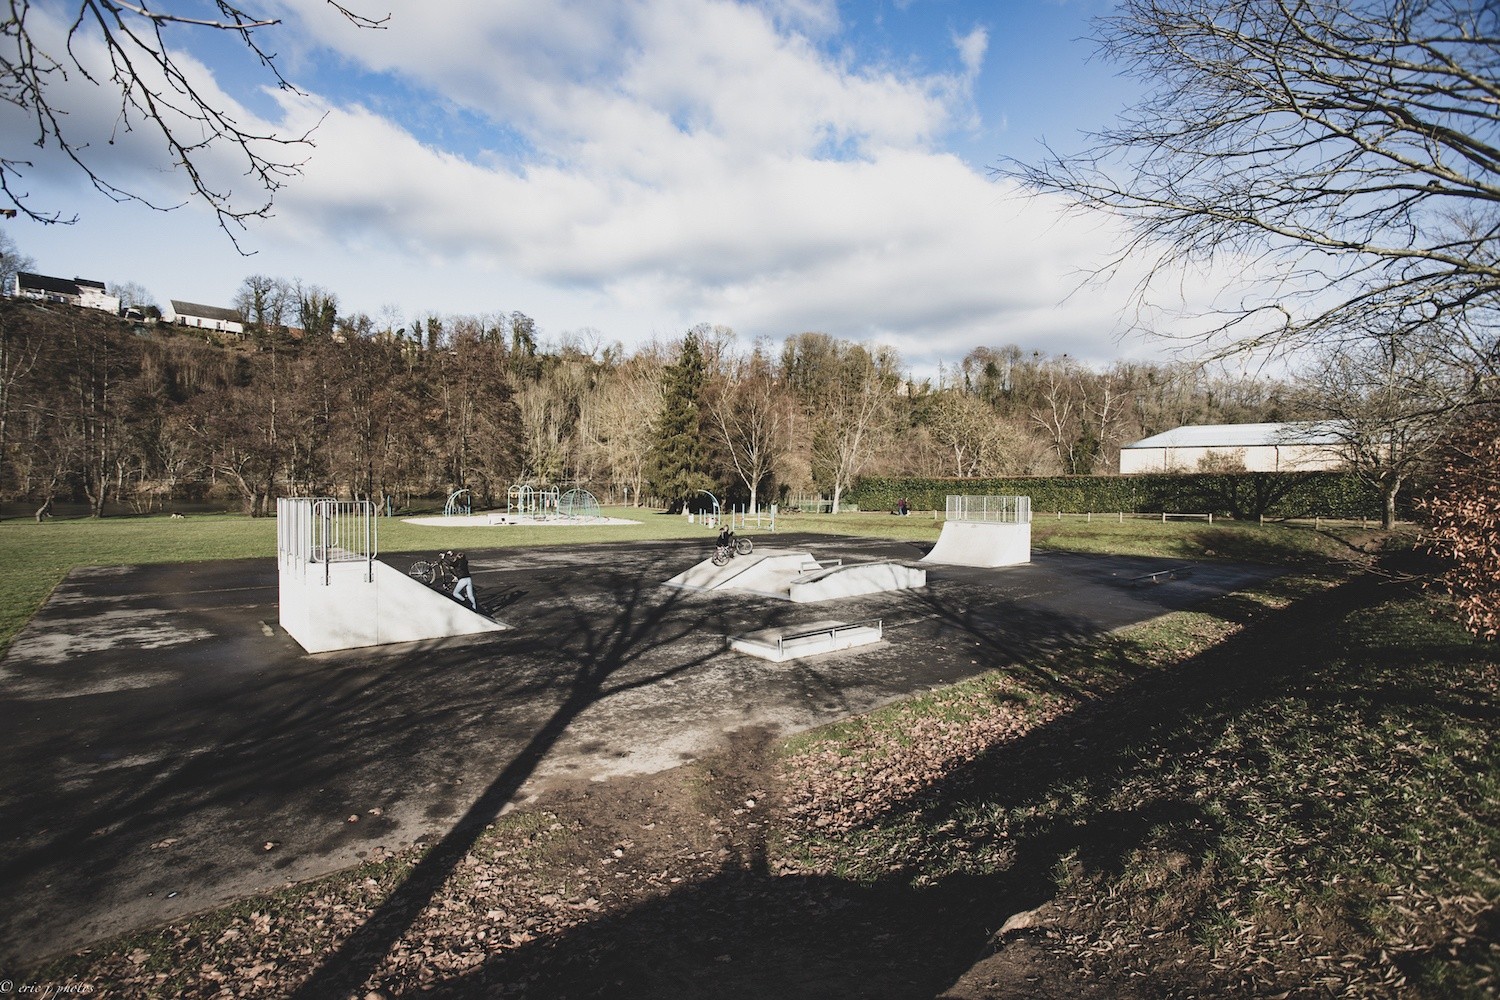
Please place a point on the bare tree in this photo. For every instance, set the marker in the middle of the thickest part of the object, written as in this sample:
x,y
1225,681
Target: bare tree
x,y
851,418
751,414
19,354
624,406
11,261
1060,412
132,295
966,426
1388,400
1349,147
135,52
263,301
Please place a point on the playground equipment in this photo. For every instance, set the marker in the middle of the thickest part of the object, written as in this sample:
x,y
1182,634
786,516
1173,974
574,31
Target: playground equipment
x,y
460,504
579,505
984,531
335,594
531,501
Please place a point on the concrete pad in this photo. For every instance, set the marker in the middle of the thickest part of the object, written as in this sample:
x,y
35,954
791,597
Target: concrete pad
x,y
797,641
764,571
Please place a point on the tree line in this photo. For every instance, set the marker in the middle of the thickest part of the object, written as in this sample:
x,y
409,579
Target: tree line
x,y
116,414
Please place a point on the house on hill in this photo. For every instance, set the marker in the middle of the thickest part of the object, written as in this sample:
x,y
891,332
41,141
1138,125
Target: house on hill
x,y
205,317
1284,447
70,291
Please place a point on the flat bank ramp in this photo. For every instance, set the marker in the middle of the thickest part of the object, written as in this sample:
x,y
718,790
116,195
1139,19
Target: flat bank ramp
x,y
854,580
339,606
764,571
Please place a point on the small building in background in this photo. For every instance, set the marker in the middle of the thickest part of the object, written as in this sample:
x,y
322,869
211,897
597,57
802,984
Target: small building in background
x,y
214,318
69,291
1305,446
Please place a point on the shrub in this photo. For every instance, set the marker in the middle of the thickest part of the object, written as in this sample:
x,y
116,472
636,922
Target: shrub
x,y
1463,510
1246,495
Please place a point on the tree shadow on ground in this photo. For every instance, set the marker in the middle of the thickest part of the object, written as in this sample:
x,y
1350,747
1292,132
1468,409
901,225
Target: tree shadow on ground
x,y
747,932
601,656
270,768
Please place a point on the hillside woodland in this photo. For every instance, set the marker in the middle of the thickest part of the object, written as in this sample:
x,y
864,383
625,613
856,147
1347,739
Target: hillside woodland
x,y
127,416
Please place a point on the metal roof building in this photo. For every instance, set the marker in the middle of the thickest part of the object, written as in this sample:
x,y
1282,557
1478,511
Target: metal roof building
x,y
1282,447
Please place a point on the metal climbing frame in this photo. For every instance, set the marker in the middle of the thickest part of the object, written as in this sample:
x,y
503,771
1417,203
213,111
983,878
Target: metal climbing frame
x,y
523,498
458,505
579,504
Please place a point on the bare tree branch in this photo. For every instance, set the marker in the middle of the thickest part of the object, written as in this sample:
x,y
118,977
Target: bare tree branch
x,y
158,93
1349,147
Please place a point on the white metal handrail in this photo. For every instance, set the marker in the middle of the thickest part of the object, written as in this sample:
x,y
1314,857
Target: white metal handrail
x,y
989,509
323,531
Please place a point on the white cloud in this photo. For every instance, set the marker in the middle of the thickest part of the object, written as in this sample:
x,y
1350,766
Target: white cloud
x,y
971,49
685,161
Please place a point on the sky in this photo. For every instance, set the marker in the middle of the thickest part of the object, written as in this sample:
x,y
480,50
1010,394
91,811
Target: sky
x,y
624,170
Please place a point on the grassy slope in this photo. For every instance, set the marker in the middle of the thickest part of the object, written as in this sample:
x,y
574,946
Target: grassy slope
x,y
1295,788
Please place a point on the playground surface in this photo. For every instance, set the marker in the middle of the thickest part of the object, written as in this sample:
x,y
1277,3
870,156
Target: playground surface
x,y
170,748
496,518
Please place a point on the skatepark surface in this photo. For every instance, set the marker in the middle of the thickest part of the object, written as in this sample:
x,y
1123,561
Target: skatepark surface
x,y
170,748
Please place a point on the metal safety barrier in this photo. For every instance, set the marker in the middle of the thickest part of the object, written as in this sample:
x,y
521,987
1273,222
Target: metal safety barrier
x,y
321,531
990,509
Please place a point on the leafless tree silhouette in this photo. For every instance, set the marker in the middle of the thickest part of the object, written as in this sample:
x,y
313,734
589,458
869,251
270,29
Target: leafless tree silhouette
x,y
1349,148
137,52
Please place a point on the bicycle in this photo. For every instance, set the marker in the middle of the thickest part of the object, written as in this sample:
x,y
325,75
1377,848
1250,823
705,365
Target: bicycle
x,y
437,574
736,546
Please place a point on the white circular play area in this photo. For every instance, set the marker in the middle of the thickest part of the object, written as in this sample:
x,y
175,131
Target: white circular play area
x,y
526,506
500,518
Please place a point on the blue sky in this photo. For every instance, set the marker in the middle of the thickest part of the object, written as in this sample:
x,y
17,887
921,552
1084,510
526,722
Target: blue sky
x,y
627,170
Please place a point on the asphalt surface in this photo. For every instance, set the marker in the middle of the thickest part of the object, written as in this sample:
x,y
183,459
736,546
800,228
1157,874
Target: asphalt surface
x,y
169,748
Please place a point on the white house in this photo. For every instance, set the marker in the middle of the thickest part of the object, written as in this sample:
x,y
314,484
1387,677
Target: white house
x,y
72,291
1285,447
205,317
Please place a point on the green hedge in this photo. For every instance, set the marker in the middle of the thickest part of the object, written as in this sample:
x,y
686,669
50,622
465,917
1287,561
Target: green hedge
x,y
1245,495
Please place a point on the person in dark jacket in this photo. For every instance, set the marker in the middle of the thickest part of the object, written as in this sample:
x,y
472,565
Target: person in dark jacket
x,y
460,563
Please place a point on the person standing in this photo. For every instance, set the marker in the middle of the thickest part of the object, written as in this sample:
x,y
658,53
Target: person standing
x,y
465,581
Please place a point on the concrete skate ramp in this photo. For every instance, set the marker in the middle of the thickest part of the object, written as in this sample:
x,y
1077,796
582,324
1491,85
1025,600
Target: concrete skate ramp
x,y
765,571
981,543
854,580
349,611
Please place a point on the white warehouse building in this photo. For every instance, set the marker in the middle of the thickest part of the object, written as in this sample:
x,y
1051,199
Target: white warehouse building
x,y
1283,447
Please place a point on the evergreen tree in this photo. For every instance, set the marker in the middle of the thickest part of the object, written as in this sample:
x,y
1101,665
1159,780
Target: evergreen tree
x,y
679,457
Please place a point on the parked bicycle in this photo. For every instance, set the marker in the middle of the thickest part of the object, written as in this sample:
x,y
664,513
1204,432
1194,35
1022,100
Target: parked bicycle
x,y
735,546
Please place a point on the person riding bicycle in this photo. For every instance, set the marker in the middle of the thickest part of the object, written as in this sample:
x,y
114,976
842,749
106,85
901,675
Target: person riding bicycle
x,y
726,537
